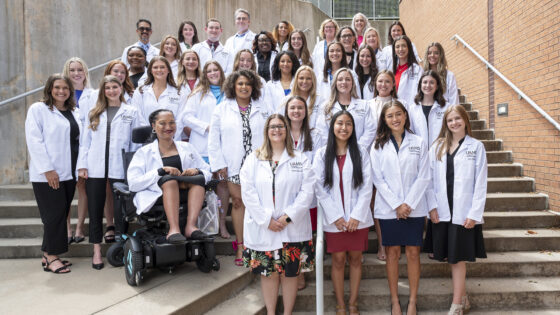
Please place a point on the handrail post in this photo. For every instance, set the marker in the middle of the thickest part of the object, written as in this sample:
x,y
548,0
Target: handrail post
x,y
320,250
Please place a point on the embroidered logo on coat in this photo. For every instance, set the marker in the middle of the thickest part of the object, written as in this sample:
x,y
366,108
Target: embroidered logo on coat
x,y
296,166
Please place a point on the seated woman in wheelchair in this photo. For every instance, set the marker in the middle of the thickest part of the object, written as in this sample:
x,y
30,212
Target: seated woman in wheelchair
x,y
147,176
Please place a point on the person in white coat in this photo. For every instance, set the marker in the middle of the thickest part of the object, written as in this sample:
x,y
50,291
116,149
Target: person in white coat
x,y
298,45
372,39
277,188
435,60
187,35
335,60
360,23
343,189
155,173
281,33
426,113
235,131
244,59
327,33
395,30
158,92
305,86
187,79
265,53
344,97
400,174
366,70
244,37
136,57
197,117
458,194
52,131
212,49
107,132
407,71
144,31
76,69
171,50
283,72
347,37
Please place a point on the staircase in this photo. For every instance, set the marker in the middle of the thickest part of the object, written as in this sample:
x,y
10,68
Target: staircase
x,y
522,271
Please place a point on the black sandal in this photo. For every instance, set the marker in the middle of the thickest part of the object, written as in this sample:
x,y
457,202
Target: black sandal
x,y
59,270
111,237
44,264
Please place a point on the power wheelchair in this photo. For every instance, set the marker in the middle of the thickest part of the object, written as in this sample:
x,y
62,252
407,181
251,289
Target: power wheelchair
x,y
146,247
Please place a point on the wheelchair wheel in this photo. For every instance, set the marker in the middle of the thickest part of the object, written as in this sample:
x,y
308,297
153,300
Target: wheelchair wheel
x,y
216,264
133,264
115,254
205,264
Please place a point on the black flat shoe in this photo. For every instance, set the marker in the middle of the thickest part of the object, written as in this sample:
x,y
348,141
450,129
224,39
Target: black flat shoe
x,y
176,238
198,235
71,240
97,266
79,239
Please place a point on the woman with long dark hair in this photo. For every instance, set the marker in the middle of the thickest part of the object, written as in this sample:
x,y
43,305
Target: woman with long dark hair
x,y
406,69
298,45
283,73
344,188
396,30
366,70
187,35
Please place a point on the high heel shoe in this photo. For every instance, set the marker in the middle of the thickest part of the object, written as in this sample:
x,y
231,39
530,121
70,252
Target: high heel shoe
x,y
456,309
466,304
236,245
353,308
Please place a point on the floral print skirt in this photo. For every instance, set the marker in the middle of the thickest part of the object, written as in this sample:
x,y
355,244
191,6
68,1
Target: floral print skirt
x,y
290,260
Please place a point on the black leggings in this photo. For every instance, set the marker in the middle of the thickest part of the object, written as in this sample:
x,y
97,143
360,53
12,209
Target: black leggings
x,y
96,193
54,206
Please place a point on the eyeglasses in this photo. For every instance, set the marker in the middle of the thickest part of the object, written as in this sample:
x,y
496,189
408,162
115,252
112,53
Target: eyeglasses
x,y
145,29
347,36
276,127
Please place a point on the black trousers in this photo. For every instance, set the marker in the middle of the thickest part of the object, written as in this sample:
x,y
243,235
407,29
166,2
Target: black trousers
x,y
54,206
96,193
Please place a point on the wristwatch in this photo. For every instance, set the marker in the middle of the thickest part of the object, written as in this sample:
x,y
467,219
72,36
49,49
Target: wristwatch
x,y
288,220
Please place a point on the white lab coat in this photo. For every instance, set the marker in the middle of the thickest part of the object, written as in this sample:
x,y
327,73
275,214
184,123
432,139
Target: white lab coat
x,y
197,116
469,185
381,60
451,94
233,44
93,143
313,114
47,134
274,94
146,102
221,55
376,106
365,126
324,88
293,184
408,84
225,142
401,177
273,54
86,102
143,174
151,53
356,200
318,58
388,52
86,107
284,47
367,94
430,131
174,70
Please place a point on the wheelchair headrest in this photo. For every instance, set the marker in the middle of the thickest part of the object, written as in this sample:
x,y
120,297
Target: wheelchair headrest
x,y
141,134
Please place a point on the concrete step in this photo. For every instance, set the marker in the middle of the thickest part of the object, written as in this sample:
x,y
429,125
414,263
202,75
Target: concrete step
x,y
520,219
462,98
246,302
436,294
511,184
33,227
19,192
499,156
505,169
516,201
485,134
497,265
478,124
439,312
466,105
27,209
492,145
473,114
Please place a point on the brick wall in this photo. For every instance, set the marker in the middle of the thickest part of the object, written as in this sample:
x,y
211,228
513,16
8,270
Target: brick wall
x,y
526,48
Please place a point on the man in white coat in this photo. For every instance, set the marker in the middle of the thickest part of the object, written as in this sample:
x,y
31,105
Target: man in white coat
x,y
212,49
144,31
244,37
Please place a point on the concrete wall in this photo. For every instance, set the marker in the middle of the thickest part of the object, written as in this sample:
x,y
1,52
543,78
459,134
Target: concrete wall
x,y
39,35
520,38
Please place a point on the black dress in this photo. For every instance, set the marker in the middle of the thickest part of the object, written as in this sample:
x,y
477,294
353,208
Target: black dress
x,y
452,242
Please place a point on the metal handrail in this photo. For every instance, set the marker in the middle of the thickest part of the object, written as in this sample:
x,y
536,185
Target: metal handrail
x,y
22,95
319,252
522,95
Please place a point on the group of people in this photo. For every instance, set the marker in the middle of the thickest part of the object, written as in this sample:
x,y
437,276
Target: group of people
x,y
372,135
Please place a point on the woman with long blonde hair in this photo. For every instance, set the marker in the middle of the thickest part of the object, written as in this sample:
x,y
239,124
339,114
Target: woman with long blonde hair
x,y
435,60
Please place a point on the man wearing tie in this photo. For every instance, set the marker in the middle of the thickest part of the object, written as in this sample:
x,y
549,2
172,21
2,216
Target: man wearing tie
x,y
212,49
144,31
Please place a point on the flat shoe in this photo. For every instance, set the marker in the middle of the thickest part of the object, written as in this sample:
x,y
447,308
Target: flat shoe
x,y
79,239
176,238
198,235
71,240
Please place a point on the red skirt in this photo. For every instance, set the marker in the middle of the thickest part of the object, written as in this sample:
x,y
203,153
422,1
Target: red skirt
x,y
347,241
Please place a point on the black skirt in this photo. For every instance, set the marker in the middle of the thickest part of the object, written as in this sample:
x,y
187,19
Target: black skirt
x,y
454,243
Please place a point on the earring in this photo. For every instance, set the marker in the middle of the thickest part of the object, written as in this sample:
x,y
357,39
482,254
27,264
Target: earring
x,y
153,131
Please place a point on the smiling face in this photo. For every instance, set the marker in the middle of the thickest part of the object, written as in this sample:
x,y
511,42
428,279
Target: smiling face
x,y
119,71
170,48
190,61
60,92
347,39
213,30
396,31
165,126
384,85
245,61
243,88
283,30
77,75
428,85
344,82
433,55
343,127
213,74
335,54
401,49
305,81
395,118
160,71
242,22
296,110
456,124
359,24
372,40
285,64
136,58
329,30
364,58
296,41
188,32
264,44
144,32
276,131
113,92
